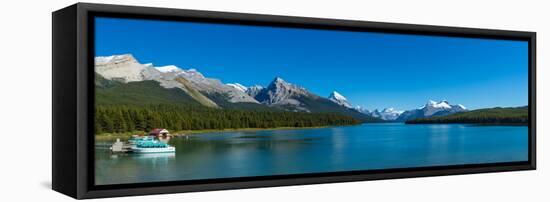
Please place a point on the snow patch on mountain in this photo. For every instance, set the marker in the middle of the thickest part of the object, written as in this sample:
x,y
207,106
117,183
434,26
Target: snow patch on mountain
x,y
168,68
238,86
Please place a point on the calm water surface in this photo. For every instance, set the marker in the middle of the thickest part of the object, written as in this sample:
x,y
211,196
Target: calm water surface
x,y
276,152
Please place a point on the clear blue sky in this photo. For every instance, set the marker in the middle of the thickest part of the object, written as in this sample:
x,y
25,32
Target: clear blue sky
x,y
374,70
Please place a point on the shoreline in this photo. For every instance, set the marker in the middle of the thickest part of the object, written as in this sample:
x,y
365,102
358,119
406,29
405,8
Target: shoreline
x,y
477,124
127,135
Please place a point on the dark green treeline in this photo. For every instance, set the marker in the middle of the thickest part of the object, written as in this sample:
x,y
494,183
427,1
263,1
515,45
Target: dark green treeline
x,y
506,116
127,118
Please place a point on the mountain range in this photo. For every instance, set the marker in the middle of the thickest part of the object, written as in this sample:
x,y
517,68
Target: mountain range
x,y
430,109
123,79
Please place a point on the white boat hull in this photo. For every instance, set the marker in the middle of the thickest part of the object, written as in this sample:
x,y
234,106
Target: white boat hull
x,y
153,150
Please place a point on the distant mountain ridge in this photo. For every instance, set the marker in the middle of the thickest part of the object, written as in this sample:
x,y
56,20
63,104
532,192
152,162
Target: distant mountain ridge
x,y
389,114
431,109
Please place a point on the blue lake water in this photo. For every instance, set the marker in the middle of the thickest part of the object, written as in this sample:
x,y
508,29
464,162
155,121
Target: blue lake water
x,y
349,148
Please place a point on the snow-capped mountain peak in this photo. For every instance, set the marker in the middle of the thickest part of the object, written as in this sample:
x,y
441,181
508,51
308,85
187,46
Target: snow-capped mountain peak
x,y
432,108
440,104
279,84
339,99
337,96
278,80
281,93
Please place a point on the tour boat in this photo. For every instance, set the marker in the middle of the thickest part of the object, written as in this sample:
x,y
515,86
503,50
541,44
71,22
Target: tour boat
x,y
150,145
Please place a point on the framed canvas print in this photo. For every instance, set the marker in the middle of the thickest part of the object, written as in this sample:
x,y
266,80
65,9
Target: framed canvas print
x,y
155,100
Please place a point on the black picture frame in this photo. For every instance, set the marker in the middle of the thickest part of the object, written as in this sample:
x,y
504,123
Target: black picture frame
x,y
73,100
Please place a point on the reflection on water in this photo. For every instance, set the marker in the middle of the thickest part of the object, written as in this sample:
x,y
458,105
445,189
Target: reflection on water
x,y
274,152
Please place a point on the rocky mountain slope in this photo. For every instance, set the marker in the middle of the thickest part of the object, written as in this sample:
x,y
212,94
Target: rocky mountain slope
x,y
126,69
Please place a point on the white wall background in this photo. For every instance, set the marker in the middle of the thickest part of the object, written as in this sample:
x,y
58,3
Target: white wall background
x,y
25,99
